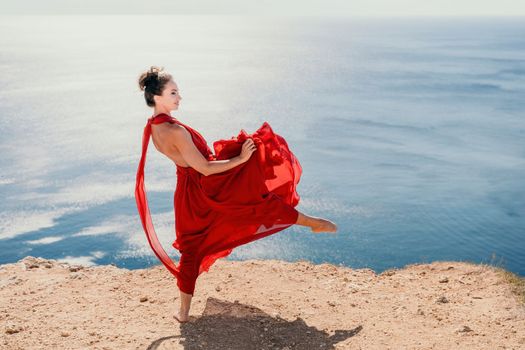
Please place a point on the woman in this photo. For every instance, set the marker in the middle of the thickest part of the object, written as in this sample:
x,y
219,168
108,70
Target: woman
x,y
243,192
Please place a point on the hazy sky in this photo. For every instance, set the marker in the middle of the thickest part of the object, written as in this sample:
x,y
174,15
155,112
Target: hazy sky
x,y
270,7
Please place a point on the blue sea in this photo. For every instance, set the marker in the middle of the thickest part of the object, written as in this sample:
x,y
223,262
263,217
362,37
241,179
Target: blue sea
x,y
410,132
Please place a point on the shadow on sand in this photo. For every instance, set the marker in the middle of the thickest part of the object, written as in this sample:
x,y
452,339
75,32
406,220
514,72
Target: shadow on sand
x,y
225,325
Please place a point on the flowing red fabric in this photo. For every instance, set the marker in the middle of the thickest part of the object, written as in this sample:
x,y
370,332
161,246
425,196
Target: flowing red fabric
x,y
218,212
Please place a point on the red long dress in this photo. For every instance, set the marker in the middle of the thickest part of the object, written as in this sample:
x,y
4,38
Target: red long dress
x,y
218,212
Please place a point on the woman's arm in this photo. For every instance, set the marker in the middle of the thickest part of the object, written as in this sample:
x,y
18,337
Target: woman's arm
x,y
181,138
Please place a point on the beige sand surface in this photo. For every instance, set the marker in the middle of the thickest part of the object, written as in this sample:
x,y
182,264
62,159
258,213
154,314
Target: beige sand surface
x,y
45,304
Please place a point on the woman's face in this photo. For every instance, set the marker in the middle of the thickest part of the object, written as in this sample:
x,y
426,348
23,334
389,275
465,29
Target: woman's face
x,y
170,97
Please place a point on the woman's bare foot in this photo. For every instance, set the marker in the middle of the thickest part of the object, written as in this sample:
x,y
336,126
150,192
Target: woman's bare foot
x,y
185,303
316,224
181,318
322,225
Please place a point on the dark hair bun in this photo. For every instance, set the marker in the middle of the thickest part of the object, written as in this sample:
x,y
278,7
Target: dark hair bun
x,y
152,83
150,78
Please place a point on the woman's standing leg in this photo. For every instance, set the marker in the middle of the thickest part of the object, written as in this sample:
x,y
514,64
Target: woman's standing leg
x,y
183,314
186,284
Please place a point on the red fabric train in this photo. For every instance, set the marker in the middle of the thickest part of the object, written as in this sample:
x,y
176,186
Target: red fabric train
x,y
218,212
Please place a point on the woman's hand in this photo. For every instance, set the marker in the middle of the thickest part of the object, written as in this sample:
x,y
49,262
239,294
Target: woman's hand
x,y
248,147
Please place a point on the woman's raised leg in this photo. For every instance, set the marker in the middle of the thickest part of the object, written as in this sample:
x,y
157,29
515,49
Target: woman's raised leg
x,y
316,224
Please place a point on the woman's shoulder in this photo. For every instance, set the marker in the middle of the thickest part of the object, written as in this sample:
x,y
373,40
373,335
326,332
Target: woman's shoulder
x,y
167,130
174,130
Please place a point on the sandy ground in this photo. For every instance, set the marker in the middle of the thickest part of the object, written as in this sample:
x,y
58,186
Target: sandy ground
x,y
45,304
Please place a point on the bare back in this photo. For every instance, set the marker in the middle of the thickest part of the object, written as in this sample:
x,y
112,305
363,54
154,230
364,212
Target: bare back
x,y
160,136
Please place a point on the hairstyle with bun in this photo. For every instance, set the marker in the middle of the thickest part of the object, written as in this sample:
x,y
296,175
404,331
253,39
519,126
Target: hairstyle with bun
x,y
152,83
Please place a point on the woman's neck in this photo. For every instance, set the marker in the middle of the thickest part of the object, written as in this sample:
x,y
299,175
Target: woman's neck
x,y
161,111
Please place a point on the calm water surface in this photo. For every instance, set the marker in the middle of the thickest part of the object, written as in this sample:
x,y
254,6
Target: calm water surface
x,y
411,133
